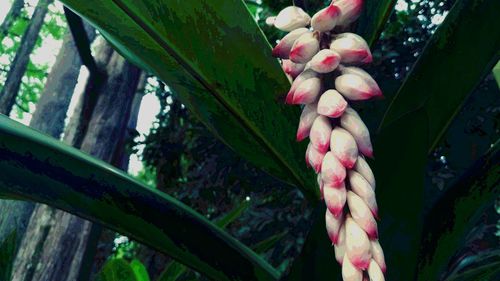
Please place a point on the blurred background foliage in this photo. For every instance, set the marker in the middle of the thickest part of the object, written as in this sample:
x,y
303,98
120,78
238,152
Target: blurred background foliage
x,y
182,158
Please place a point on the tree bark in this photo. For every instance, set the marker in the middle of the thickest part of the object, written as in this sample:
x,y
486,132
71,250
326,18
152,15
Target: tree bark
x,y
10,18
48,118
56,242
18,66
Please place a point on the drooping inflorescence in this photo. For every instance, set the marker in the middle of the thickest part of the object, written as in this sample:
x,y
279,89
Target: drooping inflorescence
x,y
315,52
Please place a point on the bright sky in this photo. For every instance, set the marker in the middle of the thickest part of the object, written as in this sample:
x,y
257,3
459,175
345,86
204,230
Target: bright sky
x,y
46,54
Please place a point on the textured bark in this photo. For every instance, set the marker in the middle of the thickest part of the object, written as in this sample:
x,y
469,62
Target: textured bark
x,y
105,243
56,96
48,118
10,18
56,242
18,66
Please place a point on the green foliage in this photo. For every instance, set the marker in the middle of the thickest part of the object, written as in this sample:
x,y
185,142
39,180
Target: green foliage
x,y
50,171
35,77
245,111
118,269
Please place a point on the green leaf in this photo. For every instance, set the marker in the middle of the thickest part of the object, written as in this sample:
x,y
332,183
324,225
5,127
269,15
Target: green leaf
x,y
140,272
450,67
116,270
215,57
455,214
496,72
174,270
268,243
38,168
373,18
233,215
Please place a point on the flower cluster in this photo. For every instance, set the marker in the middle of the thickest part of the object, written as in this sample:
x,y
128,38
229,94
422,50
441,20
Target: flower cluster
x,y
321,61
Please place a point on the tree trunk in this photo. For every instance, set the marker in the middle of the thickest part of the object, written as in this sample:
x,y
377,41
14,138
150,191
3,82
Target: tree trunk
x,y
18,66
48,118
56,242
10,18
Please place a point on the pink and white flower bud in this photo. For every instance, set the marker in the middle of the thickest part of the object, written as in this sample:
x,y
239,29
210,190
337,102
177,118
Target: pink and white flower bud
x,y
324,61
344,147
307,92
364,169
335,198
291,18
362,215
320,133
332,104
314,158
349,10
282,49
357,244
291,68
351,121
352,48
325,19
350,272
378,254
375,272
304,48
333,173
301,78
333,224
339,247
306,120
369,82
363,189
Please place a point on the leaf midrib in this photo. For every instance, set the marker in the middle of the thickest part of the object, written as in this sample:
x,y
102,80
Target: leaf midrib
x,y
185,64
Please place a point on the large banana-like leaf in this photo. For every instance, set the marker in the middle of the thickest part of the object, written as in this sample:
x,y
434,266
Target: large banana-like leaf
x,y
215,57
464,49
371,22
39,168
455,214
454,61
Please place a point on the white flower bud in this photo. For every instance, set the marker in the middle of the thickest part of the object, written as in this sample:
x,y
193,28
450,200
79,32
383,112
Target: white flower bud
x,y
306,120
339,247
349,271
375,272
335,198
378,254
282,49
351,121
333,173
352,48
320,133
333,224
325,19
331,104
349,10
364,190
304,48
324,61
364,169
307,92
357,245
362,215
291,18
314,158
291,68
301,78
344,147
270,21
357,84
